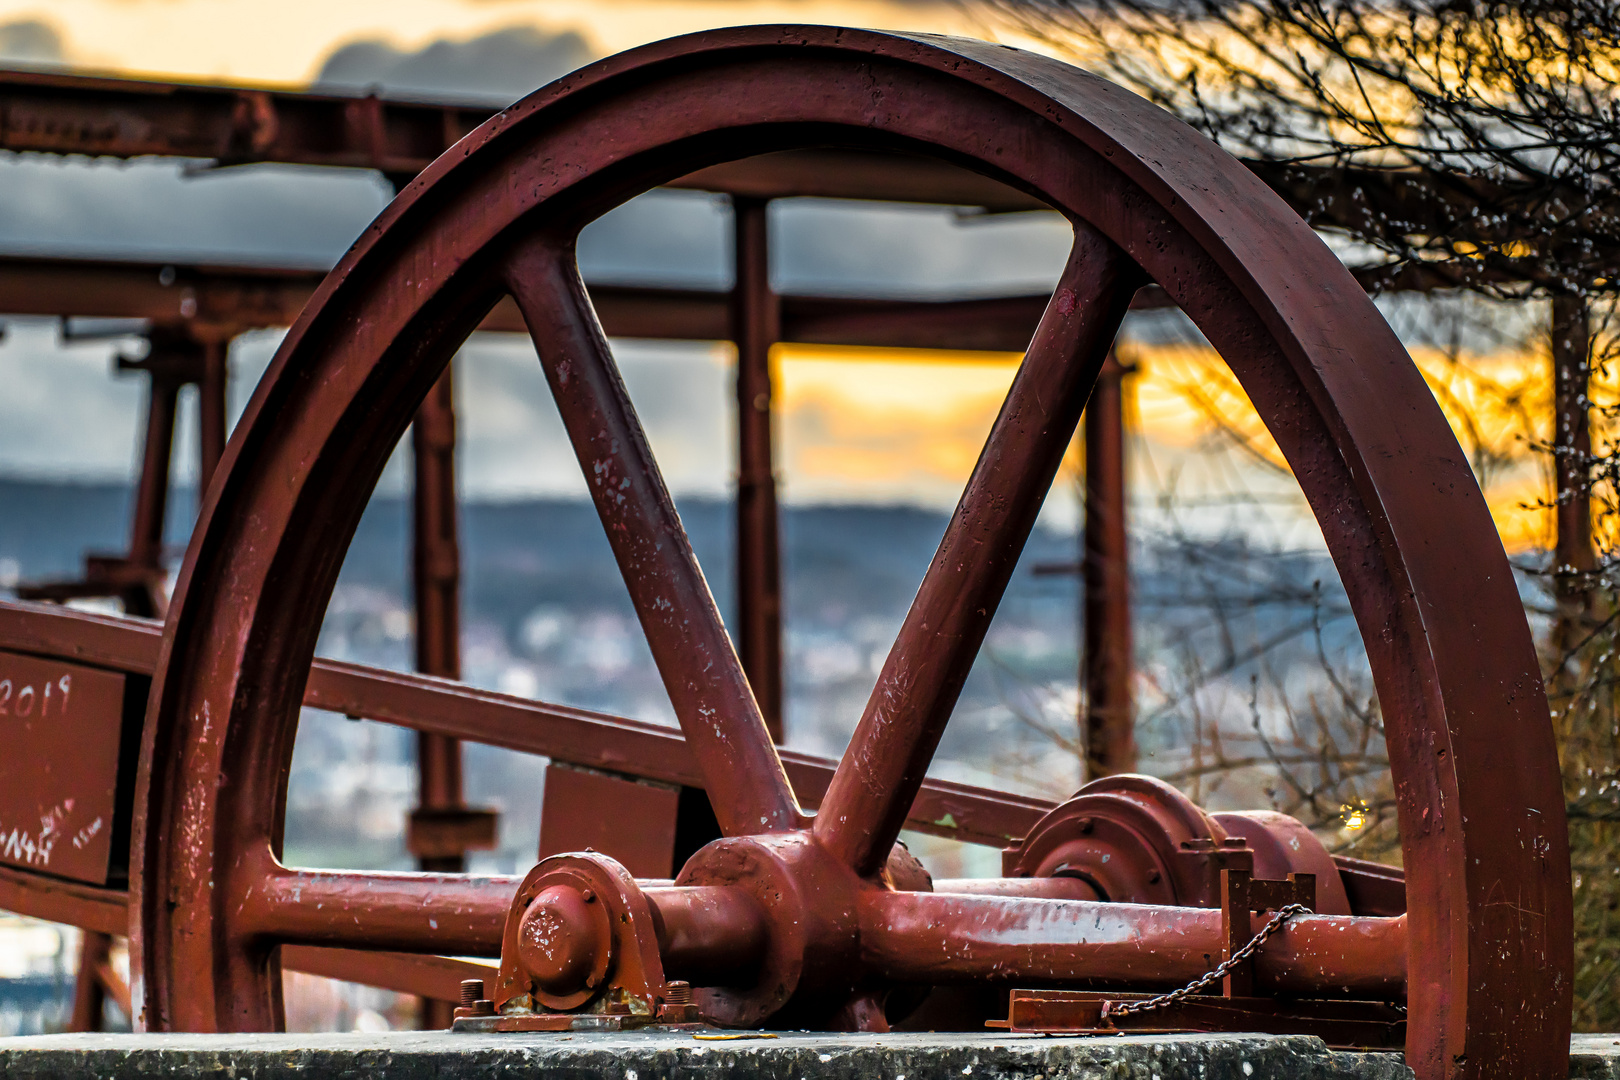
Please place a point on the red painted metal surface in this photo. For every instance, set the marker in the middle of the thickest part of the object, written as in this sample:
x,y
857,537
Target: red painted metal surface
x,y
440,825
813,921
63,730
756,326
1398,506
694,655
631,822
861,817
593,740
1109,716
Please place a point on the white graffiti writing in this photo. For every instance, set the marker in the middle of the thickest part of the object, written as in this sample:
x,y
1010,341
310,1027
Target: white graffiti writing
x,y
34,848
49,697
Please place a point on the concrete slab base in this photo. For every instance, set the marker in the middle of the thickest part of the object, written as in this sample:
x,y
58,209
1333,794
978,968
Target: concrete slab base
x,y
684,1056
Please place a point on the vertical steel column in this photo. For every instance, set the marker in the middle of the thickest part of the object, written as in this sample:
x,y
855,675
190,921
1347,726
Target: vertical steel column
x,y
211,392
152,490
1107,710
89,992
436,580
1572,448
755,328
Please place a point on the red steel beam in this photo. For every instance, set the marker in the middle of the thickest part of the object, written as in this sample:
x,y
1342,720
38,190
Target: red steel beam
x,y
1573,550
97,116
576,736
1108,705
219,299
436,586
937,938
436,591
106,912
756,319
131,118
234,125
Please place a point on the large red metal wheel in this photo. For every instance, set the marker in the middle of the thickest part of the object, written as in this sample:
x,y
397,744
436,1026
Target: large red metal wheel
x,y
1488,930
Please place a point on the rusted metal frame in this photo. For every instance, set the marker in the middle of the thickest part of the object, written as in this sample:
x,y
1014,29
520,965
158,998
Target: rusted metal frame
x,y
224,300
701,672
152,489
434,828
1574,554
577,736
178,355
880,775
212,391
128,118
75,114
231,980
218,300
90,985
632,748
1325,371
68,114
1108,716
705,932
756,319
918,938
436,589
942,938
451,914
1463,682
105,913
98,910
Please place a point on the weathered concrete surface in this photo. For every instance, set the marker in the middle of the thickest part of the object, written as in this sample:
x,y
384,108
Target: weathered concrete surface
x,y
1594,1057
680,1056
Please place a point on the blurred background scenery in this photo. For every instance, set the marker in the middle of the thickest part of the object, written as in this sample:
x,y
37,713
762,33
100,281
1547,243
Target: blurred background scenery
x,y
1248,680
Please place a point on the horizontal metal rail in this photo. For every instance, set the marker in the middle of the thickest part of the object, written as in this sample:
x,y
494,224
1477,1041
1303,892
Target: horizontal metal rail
x,y
575,736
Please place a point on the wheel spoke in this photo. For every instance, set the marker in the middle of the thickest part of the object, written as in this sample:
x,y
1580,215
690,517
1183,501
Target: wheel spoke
x,y
699,666
883,768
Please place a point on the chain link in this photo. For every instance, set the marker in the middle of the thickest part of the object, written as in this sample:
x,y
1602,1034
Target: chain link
x,y
1219,972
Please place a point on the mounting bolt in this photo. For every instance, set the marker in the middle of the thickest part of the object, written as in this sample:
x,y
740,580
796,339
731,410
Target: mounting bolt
x,y
588,895
1085,825
471,991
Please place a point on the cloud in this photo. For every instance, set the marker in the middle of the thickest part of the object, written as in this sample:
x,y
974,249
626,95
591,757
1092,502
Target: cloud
x,y
31,41
502,65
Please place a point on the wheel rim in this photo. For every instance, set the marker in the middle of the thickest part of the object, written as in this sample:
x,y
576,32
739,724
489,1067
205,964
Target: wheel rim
x,y
1470,742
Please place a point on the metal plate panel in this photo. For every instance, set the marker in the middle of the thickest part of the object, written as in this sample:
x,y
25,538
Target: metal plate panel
x,y
628,820
60,733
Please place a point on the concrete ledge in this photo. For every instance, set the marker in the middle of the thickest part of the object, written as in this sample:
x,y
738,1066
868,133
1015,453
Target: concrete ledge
x,y
680,1056
1594,1057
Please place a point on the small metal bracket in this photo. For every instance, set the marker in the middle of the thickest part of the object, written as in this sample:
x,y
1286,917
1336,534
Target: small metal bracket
x,y
1242,894
580,953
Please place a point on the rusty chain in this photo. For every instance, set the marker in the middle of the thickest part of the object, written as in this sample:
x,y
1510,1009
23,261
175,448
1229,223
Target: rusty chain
x,y
1215,974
